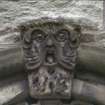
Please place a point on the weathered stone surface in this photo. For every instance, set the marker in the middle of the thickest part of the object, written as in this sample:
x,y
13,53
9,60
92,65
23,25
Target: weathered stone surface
x,y
87,91
87,13
11,87
90,92
50,54
90,57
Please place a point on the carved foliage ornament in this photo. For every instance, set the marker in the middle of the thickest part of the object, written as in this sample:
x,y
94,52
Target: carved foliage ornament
x,y
50,54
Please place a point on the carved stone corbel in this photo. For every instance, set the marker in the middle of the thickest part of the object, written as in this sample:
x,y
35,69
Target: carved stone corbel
x,y
50,55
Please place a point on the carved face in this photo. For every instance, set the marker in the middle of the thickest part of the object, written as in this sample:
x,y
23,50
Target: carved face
x,y
50,52
52,45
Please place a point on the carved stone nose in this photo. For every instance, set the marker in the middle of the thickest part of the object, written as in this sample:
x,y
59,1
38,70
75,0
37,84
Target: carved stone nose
x,y
49,42
50,52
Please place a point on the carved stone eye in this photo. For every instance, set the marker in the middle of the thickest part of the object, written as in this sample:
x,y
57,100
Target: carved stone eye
x,y
38,35
62,35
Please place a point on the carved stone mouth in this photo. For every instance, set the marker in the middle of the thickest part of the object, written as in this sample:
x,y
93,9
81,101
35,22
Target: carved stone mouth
x,y
50,57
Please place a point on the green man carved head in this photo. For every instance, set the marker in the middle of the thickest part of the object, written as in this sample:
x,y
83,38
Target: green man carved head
x,y
50,54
